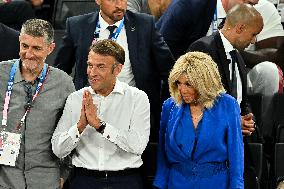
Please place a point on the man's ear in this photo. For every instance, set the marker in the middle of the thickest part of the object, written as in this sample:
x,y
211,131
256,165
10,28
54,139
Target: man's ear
x,y
240,27
98,2
51,48
118,69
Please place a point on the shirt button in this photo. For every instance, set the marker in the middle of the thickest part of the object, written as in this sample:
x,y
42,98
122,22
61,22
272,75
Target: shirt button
x,y
108,136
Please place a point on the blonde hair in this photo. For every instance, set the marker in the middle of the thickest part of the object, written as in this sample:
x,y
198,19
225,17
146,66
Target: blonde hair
x,y
202,74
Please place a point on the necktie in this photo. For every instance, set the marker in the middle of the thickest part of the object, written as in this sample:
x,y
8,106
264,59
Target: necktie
x,y
234,59
220,26
111,30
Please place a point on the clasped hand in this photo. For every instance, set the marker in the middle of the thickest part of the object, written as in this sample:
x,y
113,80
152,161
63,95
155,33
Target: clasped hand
x,y
88,113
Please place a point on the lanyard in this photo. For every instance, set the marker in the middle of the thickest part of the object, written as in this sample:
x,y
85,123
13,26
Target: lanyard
x,y
115,34
13,70
215,21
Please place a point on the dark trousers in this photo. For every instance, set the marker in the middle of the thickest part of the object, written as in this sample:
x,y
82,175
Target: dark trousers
x,y
15,13
84,181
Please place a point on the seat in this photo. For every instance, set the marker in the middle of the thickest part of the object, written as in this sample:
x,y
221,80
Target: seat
x,y
256,150
279,163
278,109
280,133
67,8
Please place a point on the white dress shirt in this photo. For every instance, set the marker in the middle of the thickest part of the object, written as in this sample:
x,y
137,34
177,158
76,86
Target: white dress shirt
x,y
126,74
228,47
126,111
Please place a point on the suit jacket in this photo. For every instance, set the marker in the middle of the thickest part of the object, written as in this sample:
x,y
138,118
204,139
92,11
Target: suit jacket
x,y
150,57
9,48
217,139
184,22
213,46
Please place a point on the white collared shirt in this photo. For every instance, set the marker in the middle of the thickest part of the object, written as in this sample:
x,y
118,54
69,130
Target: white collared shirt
x,y
221,14
126,111
228,47
126,74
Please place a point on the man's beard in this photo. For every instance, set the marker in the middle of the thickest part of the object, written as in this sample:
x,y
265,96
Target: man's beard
x,y
31,69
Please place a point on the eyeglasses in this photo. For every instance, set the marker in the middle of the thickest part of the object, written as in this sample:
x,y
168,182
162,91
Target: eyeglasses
x,y
29,95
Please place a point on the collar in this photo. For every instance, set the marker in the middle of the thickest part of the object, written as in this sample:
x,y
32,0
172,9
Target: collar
x,y
118,88
221,13
227,45
104,24
18,76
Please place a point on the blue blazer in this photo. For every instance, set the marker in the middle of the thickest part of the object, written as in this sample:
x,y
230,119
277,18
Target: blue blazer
x,y
217,139
184,22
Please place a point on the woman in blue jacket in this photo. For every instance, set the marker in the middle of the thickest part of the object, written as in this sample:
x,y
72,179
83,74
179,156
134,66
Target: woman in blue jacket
x,y
200,145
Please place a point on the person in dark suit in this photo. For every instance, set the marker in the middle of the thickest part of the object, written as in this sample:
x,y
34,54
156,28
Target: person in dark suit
x,y
184,22
10,37
242,24
15,13
148,58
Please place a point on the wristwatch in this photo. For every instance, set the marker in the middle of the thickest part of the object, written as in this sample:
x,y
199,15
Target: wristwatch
x,y
102,127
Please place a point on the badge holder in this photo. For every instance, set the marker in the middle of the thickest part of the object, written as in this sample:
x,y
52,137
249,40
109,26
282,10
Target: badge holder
x,y
10,142
9,147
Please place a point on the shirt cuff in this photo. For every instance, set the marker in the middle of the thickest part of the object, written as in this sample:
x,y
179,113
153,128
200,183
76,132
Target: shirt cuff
x,y
110,133
74,133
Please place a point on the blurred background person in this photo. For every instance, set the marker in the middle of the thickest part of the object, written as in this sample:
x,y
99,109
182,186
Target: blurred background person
x,y
15,13
153,7
11,37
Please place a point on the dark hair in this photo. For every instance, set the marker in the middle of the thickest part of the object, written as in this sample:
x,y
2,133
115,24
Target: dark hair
x,y
108,47
38,28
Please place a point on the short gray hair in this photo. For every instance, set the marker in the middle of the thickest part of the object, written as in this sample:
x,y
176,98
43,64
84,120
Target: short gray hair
x,y
38,28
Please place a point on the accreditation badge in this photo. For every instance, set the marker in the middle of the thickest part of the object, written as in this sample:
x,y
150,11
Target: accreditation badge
x,y
9,147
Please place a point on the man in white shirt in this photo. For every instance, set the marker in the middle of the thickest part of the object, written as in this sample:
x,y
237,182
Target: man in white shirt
x,y
107,124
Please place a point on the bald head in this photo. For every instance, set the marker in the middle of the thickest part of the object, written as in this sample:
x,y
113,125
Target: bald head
x,y
243,23
245,14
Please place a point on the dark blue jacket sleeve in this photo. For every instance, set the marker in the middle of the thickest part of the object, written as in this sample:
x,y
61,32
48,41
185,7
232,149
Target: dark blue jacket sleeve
x,y
65,58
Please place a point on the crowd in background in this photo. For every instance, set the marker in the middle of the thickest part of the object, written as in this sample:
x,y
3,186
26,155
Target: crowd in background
x,y
139,80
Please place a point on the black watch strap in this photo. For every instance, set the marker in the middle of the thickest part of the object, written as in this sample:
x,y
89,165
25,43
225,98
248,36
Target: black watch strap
x,y
102,127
